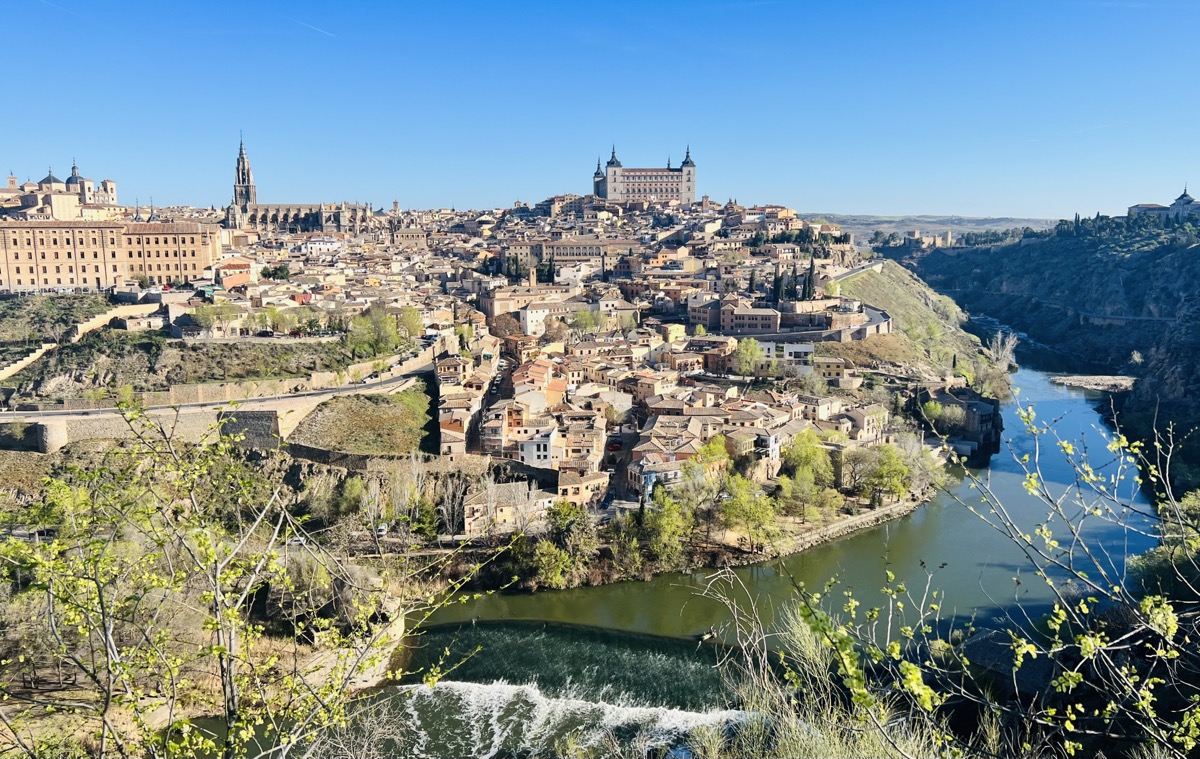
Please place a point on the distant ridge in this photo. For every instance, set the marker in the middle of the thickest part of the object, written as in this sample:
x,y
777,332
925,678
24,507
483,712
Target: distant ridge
x,y
863,225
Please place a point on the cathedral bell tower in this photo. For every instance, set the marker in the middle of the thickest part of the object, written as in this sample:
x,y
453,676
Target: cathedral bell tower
x,y
243,181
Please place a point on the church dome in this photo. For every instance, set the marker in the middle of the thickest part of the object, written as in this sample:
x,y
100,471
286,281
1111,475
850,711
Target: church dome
x,y
51,179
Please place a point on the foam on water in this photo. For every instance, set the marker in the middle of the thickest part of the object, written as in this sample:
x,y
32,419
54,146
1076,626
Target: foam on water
x,y
501,719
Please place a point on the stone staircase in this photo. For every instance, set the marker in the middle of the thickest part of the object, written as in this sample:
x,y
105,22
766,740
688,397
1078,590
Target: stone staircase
x,y
102,320
78,331
16,366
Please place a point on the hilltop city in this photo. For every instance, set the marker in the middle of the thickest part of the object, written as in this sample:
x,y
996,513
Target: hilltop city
x,y
591,342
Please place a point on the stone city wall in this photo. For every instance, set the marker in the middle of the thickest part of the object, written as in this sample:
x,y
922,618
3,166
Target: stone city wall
x,y
220,392
117,312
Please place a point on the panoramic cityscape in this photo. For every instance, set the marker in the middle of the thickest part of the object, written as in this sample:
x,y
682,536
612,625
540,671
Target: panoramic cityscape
x,y
351,412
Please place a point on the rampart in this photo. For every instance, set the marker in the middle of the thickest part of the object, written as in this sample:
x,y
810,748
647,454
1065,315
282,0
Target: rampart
x,y
226,392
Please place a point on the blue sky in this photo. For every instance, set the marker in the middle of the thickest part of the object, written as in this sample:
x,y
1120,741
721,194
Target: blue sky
x,y
1014,108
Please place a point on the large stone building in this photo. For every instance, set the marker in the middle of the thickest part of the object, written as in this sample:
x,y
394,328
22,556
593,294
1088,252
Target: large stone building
x,y
245,212
622,185
95,255
54,199
1184,207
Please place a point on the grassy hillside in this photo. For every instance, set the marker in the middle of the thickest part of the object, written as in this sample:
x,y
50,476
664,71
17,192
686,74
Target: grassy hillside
x,y
31,317
26,321
927,331
369,424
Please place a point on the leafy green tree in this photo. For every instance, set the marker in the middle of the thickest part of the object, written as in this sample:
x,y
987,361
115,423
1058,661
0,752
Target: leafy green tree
x,y
810,281
204,316
280,320
587,321
375,333
700,330
410,323
889,475
553,565
571,528
280,273
797,495
747,508
666,527
748,356
715,451
808,453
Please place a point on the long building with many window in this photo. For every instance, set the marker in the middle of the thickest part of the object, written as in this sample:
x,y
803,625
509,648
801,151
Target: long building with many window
x,y
622,185
96,255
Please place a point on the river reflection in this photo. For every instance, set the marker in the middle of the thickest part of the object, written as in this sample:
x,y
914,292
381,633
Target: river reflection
x,y
979,571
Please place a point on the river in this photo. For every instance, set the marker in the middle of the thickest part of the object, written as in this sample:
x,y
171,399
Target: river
x,y
536,674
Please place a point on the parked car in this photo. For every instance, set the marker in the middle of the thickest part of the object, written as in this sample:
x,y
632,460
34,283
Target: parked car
x,y
614,446
264,333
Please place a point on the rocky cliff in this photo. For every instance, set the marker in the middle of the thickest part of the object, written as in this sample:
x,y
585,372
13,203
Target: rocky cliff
x,y
1111,295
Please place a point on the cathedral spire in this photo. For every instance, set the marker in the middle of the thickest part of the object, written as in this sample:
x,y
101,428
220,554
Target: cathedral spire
x,y
244,193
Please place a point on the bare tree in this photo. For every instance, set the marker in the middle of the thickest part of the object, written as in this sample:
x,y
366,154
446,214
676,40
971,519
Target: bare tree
x,y
452,497
1003,348
526,515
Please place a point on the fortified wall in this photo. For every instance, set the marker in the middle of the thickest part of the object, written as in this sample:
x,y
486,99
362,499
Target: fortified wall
x,y
263,422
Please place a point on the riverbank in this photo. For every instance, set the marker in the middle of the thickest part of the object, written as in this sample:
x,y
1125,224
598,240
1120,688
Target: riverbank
x,y
848,525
